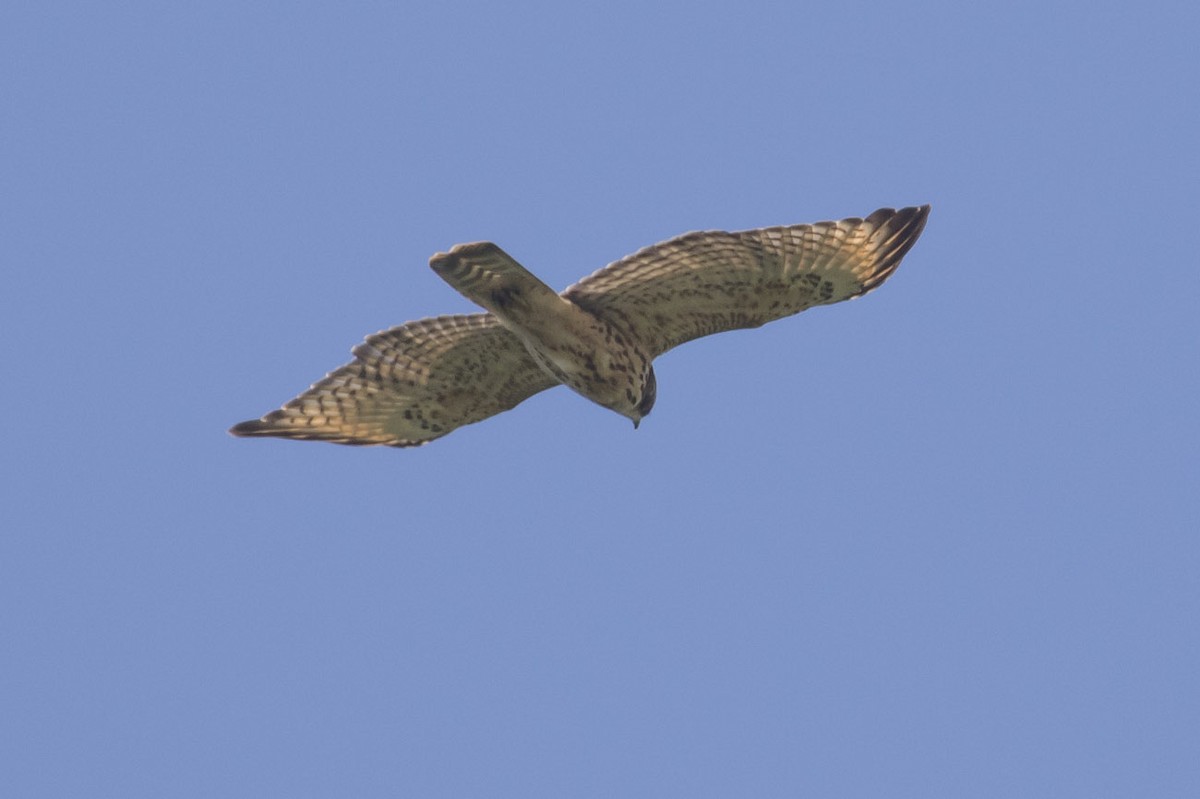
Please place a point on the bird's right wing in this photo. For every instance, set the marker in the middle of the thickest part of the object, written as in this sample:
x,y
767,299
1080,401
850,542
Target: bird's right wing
x,y
713,281
411,384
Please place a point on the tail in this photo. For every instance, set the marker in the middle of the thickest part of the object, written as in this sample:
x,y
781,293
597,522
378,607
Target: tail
x,y
490,277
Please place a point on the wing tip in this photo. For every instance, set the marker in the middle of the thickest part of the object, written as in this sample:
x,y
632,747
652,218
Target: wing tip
x,y
899,218
898,231
252,427
263,428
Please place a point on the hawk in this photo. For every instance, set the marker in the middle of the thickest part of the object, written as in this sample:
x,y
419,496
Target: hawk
x,y
411,384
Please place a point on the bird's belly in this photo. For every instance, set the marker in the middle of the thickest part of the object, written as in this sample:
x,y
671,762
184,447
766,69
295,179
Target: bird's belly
x,y
594,373
587,354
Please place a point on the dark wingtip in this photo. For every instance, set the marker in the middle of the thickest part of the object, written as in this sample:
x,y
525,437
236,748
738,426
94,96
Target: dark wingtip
x,y
253,427
920,214
909,223
901,230
913,216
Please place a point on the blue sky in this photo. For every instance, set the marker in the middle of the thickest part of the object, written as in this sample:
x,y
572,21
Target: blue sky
x,y
941,541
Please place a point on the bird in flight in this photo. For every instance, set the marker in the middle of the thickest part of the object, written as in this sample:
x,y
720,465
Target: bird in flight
x,y
411,384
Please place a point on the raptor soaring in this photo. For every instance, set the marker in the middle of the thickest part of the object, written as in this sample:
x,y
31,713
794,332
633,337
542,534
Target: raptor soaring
x,y
419,381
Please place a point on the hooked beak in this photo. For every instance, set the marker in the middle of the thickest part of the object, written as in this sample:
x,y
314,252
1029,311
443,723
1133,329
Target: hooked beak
x,y
636,422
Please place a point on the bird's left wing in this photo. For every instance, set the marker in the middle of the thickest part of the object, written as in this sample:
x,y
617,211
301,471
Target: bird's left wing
x,y
411,384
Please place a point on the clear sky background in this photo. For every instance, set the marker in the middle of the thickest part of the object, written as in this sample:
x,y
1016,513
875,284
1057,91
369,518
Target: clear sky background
x,y
940,541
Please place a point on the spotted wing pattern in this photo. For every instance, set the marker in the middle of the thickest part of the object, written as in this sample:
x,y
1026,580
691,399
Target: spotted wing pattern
x,y
713,281
411,384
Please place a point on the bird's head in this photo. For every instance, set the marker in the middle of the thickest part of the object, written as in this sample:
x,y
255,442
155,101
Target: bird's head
x,y
649,394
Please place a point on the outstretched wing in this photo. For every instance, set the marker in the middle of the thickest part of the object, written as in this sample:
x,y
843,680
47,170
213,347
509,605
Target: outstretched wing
x,y
412,384
709,282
